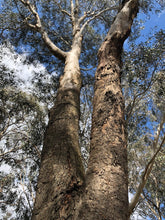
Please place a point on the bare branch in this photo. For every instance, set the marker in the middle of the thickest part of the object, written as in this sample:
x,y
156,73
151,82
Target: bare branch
x,y
14,149
38,28
64,11
74,17
57,34
92,16
147,201
77,4
23,188
76,10
148,168
86,69
33,11
53,48
2,133
72,11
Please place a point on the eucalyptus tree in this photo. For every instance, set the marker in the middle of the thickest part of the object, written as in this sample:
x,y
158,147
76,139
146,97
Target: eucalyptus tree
x,y
61,152
61,156
143,85
64,191
22,124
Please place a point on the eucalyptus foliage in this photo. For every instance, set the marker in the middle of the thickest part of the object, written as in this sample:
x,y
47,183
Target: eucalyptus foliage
x,y
22,125
144,89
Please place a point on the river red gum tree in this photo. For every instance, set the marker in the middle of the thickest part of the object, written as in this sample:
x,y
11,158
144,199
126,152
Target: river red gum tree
x,y
64,191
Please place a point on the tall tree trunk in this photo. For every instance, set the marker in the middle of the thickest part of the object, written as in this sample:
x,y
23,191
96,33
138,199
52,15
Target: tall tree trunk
x,y
62,172
60,183
106,194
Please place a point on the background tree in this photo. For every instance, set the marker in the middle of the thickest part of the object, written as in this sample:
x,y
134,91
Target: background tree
x,y
23,121
145,116
23,115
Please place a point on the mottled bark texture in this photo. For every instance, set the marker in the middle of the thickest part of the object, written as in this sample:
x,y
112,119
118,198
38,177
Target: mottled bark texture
x,y
106,194
61,192
62,172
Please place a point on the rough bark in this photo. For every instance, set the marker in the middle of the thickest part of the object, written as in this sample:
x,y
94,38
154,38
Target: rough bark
x,y
106,194
62,172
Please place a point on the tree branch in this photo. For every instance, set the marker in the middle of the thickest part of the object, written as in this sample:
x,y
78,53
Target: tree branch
x,y
64,11
148,168
150,207
120,29
61,38
72,8
86,69
2,133
23,188
76,12
14,149
39,28
52,47
72,15
92,16
77,4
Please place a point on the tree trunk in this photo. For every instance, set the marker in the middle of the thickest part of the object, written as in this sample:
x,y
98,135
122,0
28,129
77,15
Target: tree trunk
x,y
62,172
61,193
106,194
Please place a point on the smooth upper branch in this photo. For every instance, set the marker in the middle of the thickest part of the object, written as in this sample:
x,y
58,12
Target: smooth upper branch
x,y
39,28
78,23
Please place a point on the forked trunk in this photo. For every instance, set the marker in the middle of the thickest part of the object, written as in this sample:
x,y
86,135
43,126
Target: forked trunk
x,y
61,172
105,197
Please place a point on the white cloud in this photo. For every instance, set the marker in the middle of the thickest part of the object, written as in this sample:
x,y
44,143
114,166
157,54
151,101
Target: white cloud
x,y
16,63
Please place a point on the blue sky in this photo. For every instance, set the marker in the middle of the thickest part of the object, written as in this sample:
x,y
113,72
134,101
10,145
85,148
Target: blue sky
x,y
156,20
152,23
